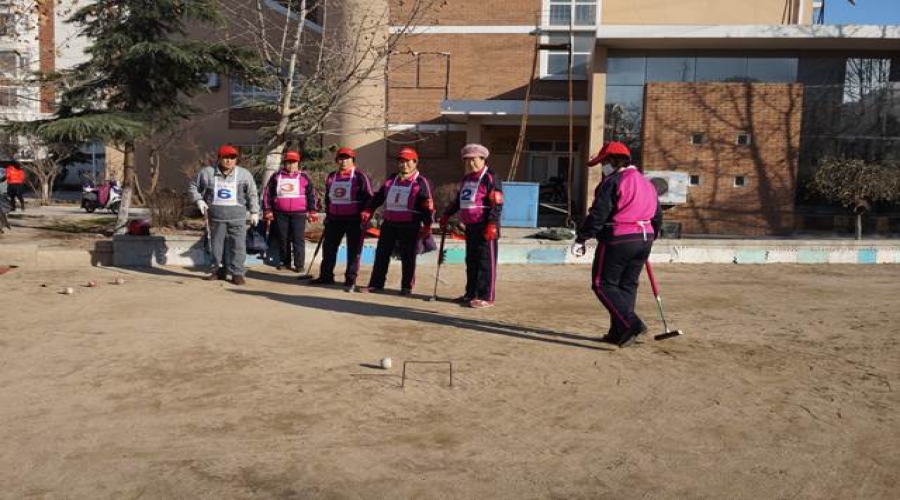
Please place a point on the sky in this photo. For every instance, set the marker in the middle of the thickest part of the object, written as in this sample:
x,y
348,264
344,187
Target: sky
x,y
865,12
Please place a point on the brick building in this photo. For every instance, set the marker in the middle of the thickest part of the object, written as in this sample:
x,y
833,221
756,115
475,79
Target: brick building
x,y
733,102
739,144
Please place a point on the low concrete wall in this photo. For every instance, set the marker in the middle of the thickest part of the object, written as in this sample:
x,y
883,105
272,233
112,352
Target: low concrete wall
x,y
137,251
37,254
778,251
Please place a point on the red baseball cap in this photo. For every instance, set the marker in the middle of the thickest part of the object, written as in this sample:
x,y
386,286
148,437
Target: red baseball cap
x,y
613,148
345,152
228,150
292,156
407,154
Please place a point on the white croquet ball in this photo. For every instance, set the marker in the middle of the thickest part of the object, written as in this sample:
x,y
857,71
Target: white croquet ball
x,y
69,290
120,281
92,284
386,363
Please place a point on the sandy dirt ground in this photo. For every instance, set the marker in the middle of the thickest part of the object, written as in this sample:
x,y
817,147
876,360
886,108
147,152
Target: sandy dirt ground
x,y
169,387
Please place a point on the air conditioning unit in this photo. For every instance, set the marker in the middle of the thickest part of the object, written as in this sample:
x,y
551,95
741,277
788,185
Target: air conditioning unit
x,y
671,187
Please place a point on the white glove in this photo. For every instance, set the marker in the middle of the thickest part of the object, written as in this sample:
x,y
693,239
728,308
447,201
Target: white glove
x,y
202,206
577,249
254,219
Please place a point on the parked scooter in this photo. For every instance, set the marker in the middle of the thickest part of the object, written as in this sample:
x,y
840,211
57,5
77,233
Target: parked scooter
x,y
107,195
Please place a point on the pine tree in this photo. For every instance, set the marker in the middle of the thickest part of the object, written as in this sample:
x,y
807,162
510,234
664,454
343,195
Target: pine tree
x,y
141,73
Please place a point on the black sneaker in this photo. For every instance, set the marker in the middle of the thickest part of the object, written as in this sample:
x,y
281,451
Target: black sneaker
x,y
406,292
642,328
611,337
463,299
632,335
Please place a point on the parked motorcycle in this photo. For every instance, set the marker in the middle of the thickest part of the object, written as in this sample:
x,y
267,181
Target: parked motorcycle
x,y
553,191
107,195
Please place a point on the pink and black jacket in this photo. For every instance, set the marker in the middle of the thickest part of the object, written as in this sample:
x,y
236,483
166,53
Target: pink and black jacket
x,y
302,203
419,206
625,208
480,205
347,205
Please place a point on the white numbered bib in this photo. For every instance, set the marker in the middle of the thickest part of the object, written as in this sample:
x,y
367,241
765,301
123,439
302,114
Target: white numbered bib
x,y
288,187
225,192
340,191
398,198
468,192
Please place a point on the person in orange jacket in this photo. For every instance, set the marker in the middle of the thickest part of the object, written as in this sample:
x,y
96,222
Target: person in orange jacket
x,y
15,185
290,201
479,202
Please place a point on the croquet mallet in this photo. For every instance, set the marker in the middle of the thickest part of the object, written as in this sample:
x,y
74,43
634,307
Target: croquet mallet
x,y
666,332
307,275
437,273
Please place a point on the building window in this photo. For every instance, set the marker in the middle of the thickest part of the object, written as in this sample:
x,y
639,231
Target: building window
x,y
772,69
721,69
740,181
558,146
554,63
314,10
698,138
7,25
571,12
743,139
9,97
243,94
865,78
695,180
9,64
670,69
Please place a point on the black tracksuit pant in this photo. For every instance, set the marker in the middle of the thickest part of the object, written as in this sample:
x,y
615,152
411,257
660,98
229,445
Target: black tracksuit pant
x,y
13,192
481,264
617,267
335,230
291,228
403,236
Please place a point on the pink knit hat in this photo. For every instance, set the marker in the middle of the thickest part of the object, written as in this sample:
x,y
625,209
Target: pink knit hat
x,y
474,151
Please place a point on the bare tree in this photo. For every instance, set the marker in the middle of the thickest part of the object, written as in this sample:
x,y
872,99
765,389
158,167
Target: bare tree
x,y
315,63
44,162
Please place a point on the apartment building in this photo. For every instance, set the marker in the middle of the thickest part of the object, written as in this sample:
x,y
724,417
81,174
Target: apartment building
x,y
36,38
26,47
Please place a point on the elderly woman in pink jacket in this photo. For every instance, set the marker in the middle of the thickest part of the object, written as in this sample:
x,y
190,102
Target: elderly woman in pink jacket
x,y
290,201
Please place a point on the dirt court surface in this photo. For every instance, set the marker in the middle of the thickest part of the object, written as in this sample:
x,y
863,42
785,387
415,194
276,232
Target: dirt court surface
x,y
785,386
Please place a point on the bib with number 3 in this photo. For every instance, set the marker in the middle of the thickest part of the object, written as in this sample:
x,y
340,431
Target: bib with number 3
x,y
288,187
